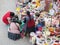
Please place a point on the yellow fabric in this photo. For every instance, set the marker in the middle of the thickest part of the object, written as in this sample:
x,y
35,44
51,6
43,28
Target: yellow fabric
x,y
33,40
38,3
18,9
47,33
45,44
50,6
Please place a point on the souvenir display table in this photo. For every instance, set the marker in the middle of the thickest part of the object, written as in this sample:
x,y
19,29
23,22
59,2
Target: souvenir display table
x,y
44,38
48,35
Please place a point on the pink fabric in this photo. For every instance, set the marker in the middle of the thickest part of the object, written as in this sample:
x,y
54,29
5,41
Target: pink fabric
x,y
40,28
55,22
14,28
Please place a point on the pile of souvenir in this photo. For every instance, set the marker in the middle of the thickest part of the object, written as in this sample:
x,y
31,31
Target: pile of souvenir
x,y
50,33
45,37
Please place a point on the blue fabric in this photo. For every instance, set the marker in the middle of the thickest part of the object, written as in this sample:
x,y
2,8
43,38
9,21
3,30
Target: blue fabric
x,y
40,24
37,26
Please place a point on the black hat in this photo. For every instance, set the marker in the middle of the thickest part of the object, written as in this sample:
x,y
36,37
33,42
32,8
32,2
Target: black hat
x,y
13,19
12,14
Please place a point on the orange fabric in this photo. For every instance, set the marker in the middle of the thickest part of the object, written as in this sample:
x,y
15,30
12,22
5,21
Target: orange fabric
x,y
51,29
38,3
56,44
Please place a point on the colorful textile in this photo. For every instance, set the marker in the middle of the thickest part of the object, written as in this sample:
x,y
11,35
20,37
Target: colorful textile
x,y
4,19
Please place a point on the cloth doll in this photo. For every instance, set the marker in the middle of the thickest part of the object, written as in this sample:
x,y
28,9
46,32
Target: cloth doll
x,y
32,37
39,38
37,3
57,31
51,29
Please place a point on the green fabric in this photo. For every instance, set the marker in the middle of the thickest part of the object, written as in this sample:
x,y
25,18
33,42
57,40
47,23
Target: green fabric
x,y
21,26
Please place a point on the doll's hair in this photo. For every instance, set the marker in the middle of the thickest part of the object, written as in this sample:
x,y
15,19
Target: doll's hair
x,y
55,0
28,13
37,14
58,13
30,0
42,11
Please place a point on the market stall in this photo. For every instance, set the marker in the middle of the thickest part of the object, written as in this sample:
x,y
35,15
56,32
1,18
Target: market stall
x,y
50,34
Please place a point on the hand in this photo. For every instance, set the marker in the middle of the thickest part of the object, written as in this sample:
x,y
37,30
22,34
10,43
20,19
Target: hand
x,y
9,19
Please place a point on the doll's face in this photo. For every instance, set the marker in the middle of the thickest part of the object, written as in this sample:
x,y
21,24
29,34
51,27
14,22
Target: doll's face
x,y
41,16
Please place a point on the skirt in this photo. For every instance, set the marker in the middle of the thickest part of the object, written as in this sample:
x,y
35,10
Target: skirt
x,y
32,29
13,36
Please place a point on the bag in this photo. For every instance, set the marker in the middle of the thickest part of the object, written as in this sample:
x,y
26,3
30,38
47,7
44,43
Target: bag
x,y
31,23
17,27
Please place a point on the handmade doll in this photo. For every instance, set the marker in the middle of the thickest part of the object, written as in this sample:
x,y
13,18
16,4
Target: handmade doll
x,y
51,29
37,3
39,38
32,37
57,31
56,42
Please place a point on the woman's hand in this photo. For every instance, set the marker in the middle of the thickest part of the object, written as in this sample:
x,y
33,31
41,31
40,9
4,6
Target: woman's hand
x,y
9,19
